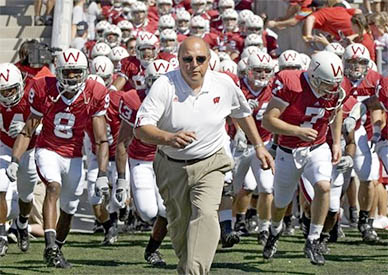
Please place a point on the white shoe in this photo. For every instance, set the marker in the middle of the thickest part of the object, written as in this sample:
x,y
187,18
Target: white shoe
x,y
381,223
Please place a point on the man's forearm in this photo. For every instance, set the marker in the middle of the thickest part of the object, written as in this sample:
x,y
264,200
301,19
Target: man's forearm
x,y
102,156
308,26
248,125
336,127
152,135
279,127
23,139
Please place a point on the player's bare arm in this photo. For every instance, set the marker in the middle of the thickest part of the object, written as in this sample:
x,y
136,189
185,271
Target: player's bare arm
x,y
102,146
124,139
336,127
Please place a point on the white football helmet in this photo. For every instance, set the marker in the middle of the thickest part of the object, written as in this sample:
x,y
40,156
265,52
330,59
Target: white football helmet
x,y
139,13
336,48
250,50
100,28
117,54
101,49
325,74
96,78
260,69
164,6
71,61
224,56
197,26
198,6
229,19
168,41
147,48
214,62
11,85
372,66
166,22
155,69
254,24
225,4
228,66
126,28
254,39
290,60
182,20
112,36
356,60
103,67
242,67
305,61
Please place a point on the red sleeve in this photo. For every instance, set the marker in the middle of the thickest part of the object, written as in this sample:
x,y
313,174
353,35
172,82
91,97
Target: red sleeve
x,y
36,96
129,104
382,93
100,100
320,18
280,89
351,11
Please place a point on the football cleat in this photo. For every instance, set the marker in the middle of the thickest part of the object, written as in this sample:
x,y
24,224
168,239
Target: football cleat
x,y
23,238
263,237
270,247
3,247
313,252
229,239
155,259
241,228
110,236
54,257
368,234
323,245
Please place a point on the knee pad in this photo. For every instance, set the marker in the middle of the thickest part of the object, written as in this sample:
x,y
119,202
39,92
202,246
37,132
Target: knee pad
x,y
70,206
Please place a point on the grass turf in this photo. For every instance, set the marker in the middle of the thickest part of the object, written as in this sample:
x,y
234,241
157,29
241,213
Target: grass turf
x,y
348,256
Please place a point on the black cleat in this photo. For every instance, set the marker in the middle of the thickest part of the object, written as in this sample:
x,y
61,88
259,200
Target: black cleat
x,y
54,257
263,237
110,236
155,259
23,238
3,247
270,247
313,252
241,228
368,234
323,243
230,239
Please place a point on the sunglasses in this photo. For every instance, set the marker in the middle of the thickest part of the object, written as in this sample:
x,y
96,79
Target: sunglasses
x,y
200,59
259,71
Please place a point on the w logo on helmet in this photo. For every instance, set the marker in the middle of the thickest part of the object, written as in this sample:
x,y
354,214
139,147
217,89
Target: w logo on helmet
x,y
116,52
6,78
337,71
161,65
100,47
145,36
67,58
290,56
100,67
263,57
355,50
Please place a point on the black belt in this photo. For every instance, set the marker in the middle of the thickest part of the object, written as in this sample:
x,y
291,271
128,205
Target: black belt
x,y
289,151
188,161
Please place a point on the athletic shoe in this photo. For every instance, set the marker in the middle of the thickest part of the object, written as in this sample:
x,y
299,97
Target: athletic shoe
x,y
54,257
368,234
154,258
23,238
241,229
270,247
263,237
12,235
3,247
110,236
323,245
97,227
313,252
253,225
229,239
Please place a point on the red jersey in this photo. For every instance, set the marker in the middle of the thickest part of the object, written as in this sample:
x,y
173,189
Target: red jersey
x,y
243,5
382,95
362,91
130,103
19,112
112,123
134,72
263,97
64,120
334,19
304,108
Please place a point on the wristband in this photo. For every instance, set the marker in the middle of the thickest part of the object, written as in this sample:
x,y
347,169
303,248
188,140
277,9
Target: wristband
x,y
101,174
15,159
258,145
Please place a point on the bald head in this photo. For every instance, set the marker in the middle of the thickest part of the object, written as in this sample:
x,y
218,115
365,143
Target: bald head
x,y
191,43
193,56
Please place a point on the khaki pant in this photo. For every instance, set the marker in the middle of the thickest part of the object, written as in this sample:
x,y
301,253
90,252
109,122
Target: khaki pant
x,y
192,194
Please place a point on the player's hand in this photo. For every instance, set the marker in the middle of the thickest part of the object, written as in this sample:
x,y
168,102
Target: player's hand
x,y
240,140
344,164
15,128
266,159
102,188
121,191
12,171
253,103
336,153
307,134
181,139
271,24
349,124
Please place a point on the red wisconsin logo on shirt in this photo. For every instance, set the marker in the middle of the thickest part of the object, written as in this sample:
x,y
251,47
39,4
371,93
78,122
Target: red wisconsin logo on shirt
x,y
216,100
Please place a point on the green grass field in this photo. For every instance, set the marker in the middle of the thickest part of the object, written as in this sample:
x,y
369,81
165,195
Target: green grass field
x,y
348,256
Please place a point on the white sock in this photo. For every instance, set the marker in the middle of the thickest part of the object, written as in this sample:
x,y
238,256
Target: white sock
x,y
276,227
21,225
315,231
264,225
225,215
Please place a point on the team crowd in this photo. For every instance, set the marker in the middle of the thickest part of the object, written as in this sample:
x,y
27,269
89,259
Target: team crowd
x,y
322,117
